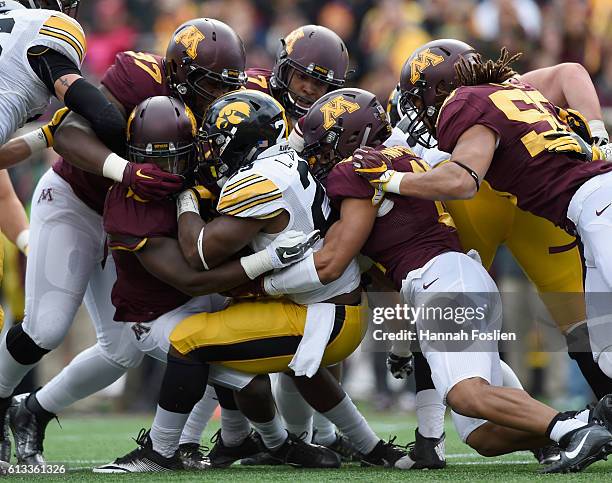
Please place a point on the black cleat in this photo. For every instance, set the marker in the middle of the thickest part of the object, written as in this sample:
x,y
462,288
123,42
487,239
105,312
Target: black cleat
x,y
427,453
222,456
343,446
388,455
5,436
143,459
29,432
547,454
192,457
299,454
261,459
584,447
602,413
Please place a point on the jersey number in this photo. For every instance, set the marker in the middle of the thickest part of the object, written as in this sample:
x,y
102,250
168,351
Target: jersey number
x,y
150,67
6,27
260,80
506,102
320,221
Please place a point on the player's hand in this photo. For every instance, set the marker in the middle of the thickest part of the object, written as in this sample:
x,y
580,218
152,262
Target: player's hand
x,y
199,200
378,170
570,143
400,367
149,182
50,128
576,122
251,289
291,247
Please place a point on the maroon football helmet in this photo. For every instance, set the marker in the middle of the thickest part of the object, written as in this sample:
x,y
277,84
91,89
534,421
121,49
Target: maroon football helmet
x,y
427,77
204,60
162,130
339,123
313,51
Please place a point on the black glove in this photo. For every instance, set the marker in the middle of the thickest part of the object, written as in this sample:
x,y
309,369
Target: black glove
x,y
400,367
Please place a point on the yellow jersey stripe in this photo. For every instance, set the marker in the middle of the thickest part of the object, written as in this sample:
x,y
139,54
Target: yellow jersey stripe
x,y
244,186
255,203
231,186
70,27
135,249
246,201
65,38
245,193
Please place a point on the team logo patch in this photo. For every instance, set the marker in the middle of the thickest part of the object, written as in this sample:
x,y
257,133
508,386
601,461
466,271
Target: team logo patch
x,y
334,108
190,38
45,195
233,113
140,330
292,38
421,62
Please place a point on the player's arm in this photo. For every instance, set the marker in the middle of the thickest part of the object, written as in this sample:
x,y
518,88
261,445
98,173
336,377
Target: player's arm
x,y
345,238
13,218
458,179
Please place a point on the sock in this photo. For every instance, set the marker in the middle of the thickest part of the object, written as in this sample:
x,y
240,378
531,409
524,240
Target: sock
x,y
199,417
579,349
166,431
41,413
430,413
583,415
325,433
509,378
562,425
353,425
295,411
89,372
234,427
11,371
272,432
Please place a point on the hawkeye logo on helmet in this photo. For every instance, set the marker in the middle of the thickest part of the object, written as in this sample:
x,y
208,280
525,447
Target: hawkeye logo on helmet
x,y
421,62
190,38
334,108
233,113
292,38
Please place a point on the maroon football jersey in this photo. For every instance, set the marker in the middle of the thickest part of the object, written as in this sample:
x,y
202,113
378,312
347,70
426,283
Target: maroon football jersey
x,y
137,295
131,79
413,232
259,80
542,182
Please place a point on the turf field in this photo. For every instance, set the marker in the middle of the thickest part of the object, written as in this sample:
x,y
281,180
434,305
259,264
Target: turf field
x,y
85,442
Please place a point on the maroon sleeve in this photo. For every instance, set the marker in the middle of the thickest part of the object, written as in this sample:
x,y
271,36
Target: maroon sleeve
x,y
134,77
462,111
343,182
129,222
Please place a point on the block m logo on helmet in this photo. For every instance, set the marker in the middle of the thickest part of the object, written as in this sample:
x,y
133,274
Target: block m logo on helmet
x,y
233,113
421,62
333,109
190,38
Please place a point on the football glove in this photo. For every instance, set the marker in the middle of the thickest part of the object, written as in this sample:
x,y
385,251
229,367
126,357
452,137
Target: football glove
x,y
149,182
562,142
576,122
400,367
378,170
50,128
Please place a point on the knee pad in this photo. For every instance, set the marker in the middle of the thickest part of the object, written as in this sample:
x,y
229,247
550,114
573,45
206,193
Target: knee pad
x,y
22,348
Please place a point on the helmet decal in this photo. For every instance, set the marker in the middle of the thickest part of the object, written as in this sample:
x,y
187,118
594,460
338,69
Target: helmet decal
x,y
334,108
190,38
421,62
233,113
292,38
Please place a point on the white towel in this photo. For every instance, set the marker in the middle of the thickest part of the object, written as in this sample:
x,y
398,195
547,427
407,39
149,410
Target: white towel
x,y
319,324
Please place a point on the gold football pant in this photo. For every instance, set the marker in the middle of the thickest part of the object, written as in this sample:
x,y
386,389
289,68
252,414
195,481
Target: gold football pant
x,y
548,256
260,337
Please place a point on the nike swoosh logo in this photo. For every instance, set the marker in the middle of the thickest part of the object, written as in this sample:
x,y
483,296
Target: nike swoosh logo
x,y
427,285
139,174
572,454
599,212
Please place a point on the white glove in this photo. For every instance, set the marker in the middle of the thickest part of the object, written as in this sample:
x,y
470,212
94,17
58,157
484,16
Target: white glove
x,y
286,249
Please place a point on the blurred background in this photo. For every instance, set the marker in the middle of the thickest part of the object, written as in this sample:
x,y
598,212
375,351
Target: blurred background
x,y
380,35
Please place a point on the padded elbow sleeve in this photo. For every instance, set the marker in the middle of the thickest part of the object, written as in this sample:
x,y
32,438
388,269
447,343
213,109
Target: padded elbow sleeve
x,y
104,117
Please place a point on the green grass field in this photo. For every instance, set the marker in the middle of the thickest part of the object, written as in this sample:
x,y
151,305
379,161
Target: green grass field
x,y
85,442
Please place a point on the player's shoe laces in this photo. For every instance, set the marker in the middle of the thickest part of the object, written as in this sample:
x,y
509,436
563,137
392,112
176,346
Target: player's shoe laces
x,y
343,446
192,457
5,436
143,459
28,430
583,447
389,455
547,454
222,456
299,454
602,412
427,453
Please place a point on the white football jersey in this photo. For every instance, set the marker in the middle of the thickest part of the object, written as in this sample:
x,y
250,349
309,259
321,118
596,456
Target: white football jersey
x,y
22,94
280,180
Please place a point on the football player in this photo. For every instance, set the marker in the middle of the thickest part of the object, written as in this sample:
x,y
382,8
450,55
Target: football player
x,y
417,244
67,241
511,125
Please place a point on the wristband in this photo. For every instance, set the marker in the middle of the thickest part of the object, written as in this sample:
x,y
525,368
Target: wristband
x,y
22,241
393,185
256,264
187,202
114,166
300,278
598,130
36,140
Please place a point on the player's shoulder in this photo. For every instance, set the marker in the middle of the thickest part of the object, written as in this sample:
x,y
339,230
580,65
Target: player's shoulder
x,y
59,32
258,79
343,182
